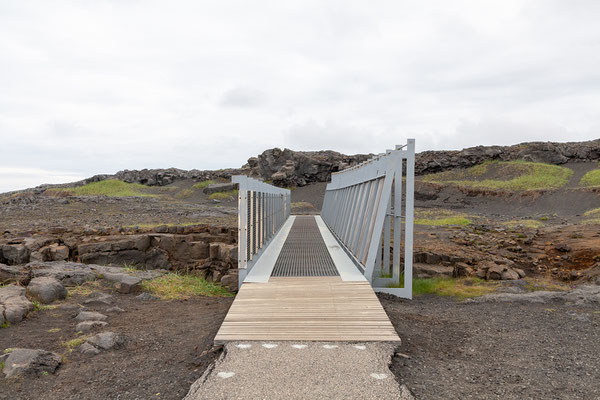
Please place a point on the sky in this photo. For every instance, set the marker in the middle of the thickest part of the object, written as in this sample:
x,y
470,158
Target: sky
x,y
90,87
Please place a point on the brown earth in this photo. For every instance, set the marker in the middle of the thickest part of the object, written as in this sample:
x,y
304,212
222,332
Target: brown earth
x,y
169,344
459,350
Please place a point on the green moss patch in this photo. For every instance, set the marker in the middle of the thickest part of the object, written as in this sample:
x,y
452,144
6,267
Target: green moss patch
x,y
591,179
505,175
110,188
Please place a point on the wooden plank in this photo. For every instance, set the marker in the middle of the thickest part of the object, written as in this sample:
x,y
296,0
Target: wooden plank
x,y
308,309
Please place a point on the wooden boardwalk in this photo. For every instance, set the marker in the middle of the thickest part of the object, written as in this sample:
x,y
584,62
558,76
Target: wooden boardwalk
x,y
307,308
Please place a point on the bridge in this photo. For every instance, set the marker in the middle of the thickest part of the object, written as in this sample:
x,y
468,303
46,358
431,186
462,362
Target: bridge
x,y
314,277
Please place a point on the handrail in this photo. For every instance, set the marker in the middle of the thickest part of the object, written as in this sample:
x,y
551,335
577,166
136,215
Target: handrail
x,y
262,210
363,207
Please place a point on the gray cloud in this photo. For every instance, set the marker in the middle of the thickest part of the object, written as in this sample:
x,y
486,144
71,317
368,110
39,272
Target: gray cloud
x,y
94,87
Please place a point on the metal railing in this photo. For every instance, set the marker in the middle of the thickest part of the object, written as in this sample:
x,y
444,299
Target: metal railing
x,y
262,210
363,208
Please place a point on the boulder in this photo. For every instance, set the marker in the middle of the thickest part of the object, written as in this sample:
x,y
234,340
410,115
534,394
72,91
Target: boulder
x,y
509,274
431,270
90,316
15,254
106,340
16,305
14,274
495,272
30,362
230,281
462,270
58,252
46,289
157,259
199,250
88,326
69,273
123,282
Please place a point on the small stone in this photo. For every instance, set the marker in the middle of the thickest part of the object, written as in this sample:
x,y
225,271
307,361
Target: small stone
x,y
97,299
563,247
115,309
146,297
106,340
90,316
88,326
87,348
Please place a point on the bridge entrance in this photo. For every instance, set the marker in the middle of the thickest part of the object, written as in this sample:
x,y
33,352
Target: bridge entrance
x,y
313,277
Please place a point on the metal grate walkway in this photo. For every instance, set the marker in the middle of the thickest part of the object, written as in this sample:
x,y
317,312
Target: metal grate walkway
x,y
304,252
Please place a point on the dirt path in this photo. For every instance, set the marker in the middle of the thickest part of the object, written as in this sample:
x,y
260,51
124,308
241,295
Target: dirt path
x,y
463,350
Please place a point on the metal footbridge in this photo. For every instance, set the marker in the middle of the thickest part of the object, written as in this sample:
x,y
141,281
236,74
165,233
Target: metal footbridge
x,y
314,277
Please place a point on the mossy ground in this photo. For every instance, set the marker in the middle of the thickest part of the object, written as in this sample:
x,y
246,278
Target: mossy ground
x,y
505,175
178,286
110,188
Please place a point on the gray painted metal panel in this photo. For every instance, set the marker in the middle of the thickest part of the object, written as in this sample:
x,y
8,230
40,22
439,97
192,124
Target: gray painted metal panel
x,y
363,205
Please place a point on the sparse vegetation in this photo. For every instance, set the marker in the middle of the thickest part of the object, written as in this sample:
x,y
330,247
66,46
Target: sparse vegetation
x,y
8,350
53,330
520,175
204,184
175,286
439,217
461,288
130,268
74,343
5,324
109,187
83,290
184,194
591,179
526,223
223,195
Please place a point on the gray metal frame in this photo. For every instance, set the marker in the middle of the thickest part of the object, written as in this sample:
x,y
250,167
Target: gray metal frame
x,y
363,204
262,210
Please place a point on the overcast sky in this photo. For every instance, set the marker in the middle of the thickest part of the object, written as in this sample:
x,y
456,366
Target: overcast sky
x,y
90,87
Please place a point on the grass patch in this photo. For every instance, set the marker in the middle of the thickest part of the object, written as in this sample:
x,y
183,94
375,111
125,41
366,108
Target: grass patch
x,y
109,187
592,213
184,194
461,288
204,184
525,176
443,221
176,286
5,324
74,343
2,364
591,179
440,217
130,268
223,195
527,223
53,330
83,290
8,350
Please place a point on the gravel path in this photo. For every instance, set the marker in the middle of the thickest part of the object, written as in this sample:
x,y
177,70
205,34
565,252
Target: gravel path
x,y
496,350
312,370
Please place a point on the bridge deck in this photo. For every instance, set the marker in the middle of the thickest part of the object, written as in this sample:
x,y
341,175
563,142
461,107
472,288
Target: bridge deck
x,y
312,308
